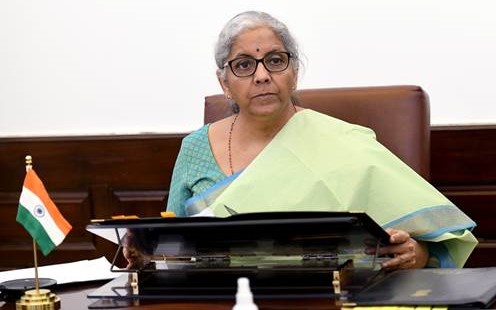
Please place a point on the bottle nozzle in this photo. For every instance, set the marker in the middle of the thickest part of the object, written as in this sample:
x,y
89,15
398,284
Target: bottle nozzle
x,y
244,297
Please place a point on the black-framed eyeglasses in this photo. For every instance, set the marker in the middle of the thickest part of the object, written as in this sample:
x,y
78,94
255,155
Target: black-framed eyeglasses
x,y
246,65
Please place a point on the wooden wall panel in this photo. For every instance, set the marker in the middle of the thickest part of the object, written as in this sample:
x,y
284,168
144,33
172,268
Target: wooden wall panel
x,y
147,203
16,246
97,177
87,177
463,168
463,155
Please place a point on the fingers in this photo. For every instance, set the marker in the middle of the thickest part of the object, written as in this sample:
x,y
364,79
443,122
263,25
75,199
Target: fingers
x,y
131,253
134,258
400,242
397,248
405,252
397,236
405,260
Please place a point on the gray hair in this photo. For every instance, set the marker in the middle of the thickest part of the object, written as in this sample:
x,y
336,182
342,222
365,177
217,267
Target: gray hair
x,y
250,20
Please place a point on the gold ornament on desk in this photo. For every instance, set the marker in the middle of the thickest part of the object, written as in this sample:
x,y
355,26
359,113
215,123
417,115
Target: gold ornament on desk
x,y
39,299
48,228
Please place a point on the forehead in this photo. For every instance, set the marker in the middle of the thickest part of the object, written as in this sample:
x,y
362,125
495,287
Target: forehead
x,y
256,42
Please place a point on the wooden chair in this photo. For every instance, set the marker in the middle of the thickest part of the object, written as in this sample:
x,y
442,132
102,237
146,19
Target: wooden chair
x,y
399,115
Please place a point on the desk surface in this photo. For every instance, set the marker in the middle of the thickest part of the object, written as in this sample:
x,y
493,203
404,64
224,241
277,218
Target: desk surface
x,y
74,298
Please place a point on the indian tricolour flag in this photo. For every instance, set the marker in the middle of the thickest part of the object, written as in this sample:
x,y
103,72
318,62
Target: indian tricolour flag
x,y
39,215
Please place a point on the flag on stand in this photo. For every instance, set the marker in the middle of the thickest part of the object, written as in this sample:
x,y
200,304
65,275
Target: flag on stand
x,y
39,215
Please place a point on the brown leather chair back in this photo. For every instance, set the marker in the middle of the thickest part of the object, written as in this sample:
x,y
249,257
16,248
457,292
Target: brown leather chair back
x,y
399,115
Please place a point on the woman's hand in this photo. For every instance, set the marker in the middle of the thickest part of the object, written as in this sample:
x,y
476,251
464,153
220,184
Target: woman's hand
x,y
133,253
405,252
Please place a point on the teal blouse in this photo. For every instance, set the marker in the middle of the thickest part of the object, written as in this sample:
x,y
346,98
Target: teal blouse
x,y
195,170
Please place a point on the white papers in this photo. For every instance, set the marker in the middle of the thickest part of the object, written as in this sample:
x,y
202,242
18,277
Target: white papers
x,y
108,233
81,271
208,212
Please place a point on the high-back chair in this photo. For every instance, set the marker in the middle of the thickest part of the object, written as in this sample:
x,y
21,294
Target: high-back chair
x,y
399,115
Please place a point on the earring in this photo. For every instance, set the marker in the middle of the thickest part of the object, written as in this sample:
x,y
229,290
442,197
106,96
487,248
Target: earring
x,y
228,97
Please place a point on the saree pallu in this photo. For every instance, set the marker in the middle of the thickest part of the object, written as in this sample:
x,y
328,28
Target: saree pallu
x,y
319,163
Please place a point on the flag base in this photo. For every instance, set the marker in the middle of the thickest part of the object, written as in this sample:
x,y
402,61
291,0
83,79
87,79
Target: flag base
x,y
41,299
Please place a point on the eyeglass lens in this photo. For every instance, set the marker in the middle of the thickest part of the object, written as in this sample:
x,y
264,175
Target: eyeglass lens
x,y
273,62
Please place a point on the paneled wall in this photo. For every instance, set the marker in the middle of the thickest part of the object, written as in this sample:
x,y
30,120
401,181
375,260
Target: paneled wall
x,y
87,177
97,177
463,167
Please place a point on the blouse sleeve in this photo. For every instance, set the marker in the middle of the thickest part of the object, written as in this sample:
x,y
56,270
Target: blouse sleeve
x,y
179,189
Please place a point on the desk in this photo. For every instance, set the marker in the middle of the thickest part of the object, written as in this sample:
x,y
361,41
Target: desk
x,y
73,297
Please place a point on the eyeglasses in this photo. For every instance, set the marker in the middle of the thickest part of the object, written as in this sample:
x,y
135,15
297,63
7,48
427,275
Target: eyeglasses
x,y
246,65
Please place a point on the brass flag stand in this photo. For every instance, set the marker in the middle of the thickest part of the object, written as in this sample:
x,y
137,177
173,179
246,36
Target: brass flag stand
x,y
37,299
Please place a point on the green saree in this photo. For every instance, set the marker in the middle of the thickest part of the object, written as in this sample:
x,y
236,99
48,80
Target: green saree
x,y
323,164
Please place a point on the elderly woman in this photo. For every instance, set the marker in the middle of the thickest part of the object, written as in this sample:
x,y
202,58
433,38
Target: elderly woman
x,y
269,156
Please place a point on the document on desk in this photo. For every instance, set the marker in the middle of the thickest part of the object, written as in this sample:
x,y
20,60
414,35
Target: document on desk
x,y
469,287
68,272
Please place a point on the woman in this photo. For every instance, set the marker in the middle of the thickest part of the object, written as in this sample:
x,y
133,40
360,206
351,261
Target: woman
x,y
267,157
